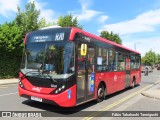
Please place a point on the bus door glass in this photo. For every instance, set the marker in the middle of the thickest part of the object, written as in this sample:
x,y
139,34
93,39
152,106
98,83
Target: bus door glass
x,y
127,71
85,73
90,72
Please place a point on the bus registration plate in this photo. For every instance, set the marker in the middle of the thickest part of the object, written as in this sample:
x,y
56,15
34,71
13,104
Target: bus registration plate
x,y
36,99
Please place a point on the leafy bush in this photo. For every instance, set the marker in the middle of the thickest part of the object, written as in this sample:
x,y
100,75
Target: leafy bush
x,y
9,66
11,46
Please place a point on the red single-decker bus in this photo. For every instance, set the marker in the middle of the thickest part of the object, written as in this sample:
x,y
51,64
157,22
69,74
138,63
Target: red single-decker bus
x,y
68,67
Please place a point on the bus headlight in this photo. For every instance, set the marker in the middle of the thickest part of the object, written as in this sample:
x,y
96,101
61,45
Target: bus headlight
x,y
21,84
59,90
63,86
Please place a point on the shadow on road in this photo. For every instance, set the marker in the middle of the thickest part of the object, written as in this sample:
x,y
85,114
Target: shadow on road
x,y
57,111
120,92
54,110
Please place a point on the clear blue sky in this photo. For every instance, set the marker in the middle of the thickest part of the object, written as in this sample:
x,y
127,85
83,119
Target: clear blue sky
x,y
136,21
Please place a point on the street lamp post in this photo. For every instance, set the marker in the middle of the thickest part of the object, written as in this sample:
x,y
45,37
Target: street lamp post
x,y
135,45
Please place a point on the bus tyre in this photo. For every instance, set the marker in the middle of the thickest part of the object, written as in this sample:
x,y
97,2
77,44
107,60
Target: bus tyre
x,y
100,93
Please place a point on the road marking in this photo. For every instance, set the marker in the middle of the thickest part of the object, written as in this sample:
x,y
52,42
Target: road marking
x,y
8,94
157,82
3,87
155,75
119,102
8,85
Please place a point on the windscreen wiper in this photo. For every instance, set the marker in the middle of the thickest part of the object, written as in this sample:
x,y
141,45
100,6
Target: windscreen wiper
x,y
53,80
29,72
38,74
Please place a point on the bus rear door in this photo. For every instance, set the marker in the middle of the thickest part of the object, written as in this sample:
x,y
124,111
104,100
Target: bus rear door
x,y
127,83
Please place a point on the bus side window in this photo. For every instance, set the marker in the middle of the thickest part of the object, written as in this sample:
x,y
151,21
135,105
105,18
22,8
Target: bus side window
x,y
112,61
121,62
102,60
99,60
138,62
105,60
135,62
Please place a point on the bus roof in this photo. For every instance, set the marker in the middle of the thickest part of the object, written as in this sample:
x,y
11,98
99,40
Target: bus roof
x,y
76,30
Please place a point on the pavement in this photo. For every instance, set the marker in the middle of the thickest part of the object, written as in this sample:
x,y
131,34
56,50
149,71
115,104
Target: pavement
x,y
8,81
153,92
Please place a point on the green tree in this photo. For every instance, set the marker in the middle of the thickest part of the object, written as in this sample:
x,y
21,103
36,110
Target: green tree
x,y
158,59
68,21
143,60
10,50
11,39
28,20
43,23
149,58
111,36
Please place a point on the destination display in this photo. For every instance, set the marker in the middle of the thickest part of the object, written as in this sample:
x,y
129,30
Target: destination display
x,y
37,37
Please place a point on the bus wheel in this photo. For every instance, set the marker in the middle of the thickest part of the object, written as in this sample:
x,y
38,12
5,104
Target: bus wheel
x,y
100,93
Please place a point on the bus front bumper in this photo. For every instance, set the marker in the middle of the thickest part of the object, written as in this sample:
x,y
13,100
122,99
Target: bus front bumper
x,y
64,99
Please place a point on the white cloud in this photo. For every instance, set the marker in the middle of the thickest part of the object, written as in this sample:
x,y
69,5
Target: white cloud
x,y
102,18
48,14
143,45
85,14
8,6
145,22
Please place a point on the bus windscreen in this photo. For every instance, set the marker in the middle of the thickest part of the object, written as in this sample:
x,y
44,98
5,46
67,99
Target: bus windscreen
x,y
51,58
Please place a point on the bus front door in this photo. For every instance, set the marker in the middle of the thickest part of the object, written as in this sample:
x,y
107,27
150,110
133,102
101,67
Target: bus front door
x,y
85,74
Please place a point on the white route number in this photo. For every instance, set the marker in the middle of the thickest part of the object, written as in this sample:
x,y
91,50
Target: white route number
x,y
59,36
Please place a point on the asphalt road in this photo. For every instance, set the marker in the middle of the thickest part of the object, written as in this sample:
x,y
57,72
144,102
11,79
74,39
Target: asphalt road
x,y
126,100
